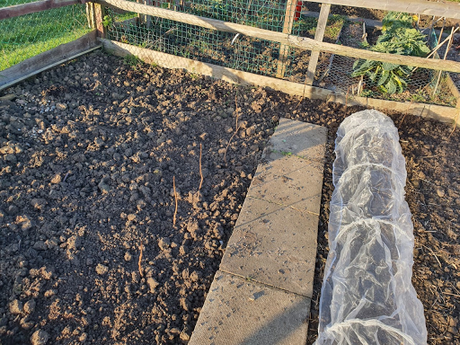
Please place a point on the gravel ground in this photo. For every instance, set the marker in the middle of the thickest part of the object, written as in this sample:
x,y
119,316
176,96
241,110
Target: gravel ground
x,y
93,157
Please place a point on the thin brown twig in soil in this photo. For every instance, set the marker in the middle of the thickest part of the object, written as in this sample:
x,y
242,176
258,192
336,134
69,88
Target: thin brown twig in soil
x,y
201,173
435,256
451,294
346,97
141,248
175,199
441,293
455,122
237,127
404,116
303,94
453,130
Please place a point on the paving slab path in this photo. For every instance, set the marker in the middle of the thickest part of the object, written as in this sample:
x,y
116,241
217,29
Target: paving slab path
x,y
262,292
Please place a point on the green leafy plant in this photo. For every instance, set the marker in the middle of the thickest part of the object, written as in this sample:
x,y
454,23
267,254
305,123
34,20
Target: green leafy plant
x,y
132,60
107,21
390,78
402,41
398,37
286,153
395,20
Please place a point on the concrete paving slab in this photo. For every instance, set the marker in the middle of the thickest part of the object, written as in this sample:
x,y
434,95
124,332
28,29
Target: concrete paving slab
x,y
254,209
298,139
277,249
261,295
289,181
274,240
241,312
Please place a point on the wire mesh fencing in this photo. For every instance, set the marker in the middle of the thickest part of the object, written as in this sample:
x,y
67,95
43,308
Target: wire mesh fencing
x,y
26,36
264,57
31,34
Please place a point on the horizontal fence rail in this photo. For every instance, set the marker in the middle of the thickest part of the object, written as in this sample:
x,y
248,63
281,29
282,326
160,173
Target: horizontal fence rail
x,y
33,7
439,9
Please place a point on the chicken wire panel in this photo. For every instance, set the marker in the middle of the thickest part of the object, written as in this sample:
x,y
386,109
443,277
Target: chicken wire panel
x,y
421,85
210,46
297,63
26,36
227,49
221,48
297,66
264,14
337,75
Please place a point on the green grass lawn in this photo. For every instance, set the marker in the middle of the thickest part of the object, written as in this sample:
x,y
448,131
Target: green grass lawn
x,y
26,36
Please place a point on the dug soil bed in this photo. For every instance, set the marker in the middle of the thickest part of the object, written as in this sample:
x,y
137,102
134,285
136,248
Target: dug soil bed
x,y
94,155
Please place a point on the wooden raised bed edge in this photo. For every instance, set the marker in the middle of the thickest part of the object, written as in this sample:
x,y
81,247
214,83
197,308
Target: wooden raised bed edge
x,y
48,59
441,113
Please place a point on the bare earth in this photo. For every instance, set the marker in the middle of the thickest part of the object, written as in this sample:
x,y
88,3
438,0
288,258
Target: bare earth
x,y
90,153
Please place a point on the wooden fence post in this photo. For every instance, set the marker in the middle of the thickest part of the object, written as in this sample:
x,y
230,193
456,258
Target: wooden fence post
x,y
90,15
319,35
95,13
287,29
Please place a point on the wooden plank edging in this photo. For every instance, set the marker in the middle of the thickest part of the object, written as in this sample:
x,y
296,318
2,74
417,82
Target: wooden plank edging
x,y
286,39
441,113
32,7
48,59
453,88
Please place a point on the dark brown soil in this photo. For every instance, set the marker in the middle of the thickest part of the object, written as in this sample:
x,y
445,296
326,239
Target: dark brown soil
x,y
89,155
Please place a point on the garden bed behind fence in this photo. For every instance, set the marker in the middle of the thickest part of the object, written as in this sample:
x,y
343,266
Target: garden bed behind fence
x,y
270,38
264,57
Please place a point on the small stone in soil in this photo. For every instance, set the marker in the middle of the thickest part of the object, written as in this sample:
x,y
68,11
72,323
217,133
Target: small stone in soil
x,y
164,243
40,245
184,336
152,283
15,307
24,222
39,337
56,179
104,188
101,269
49,293
9,97
29,306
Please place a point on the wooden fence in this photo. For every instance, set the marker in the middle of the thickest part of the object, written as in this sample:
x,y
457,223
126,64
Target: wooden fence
x,y
285,38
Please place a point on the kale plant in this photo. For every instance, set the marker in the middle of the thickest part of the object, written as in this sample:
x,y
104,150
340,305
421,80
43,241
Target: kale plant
x,y
398,37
